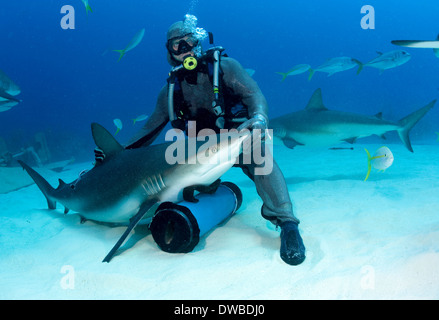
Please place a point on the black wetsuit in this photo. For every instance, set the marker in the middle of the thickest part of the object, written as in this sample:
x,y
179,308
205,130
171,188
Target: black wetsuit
x,y
237,86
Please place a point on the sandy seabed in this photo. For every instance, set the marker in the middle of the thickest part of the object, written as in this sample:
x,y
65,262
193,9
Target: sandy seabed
x,y
377,239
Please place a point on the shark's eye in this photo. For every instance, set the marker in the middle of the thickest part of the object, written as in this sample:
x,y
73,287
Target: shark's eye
x,y
210,151
72,186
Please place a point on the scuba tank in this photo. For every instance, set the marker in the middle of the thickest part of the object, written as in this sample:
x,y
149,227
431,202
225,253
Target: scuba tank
x,y
177,228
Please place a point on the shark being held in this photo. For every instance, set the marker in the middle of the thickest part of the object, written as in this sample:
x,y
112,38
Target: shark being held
x,y
318,126
128,182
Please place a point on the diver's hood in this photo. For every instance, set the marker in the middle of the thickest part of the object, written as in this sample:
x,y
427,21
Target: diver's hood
x,y
176,30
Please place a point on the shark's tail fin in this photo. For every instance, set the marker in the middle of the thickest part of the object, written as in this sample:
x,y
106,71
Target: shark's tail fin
x,y
407,123
121,53
44,186
283,74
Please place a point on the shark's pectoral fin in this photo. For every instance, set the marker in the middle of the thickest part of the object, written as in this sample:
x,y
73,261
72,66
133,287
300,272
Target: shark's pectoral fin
x,y
134,221
189,192
291,143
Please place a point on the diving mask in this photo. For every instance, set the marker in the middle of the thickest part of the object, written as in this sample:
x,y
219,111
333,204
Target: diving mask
x,y
182,44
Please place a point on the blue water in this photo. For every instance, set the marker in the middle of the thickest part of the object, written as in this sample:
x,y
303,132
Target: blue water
x,y
69,78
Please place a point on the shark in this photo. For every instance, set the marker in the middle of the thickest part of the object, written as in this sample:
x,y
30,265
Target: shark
x,y
128,182
429,44
8,91
318,126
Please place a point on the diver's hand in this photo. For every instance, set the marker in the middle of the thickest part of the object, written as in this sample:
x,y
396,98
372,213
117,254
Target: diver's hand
x,y
258,126
257,122
99,154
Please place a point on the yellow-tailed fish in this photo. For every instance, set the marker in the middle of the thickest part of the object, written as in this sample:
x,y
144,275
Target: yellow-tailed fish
x,y
118,124
133,43
140,118
300,68
87,6
381,160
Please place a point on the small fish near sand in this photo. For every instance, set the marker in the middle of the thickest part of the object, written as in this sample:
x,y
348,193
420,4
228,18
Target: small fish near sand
x,y
142,117
334,65
381,160
423,44
389,60
118,124
87,6
298,69
133,43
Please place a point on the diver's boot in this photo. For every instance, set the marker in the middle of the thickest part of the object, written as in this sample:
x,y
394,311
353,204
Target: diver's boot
x,y
292,249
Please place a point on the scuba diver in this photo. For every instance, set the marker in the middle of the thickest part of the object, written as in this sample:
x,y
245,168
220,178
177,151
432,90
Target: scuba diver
x,y
216,92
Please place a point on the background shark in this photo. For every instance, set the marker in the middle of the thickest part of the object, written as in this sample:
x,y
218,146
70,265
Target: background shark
x,y
429,44
8,91
318,126
129,182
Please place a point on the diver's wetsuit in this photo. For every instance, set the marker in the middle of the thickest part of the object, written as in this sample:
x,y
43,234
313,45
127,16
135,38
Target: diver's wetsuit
x,y
239,86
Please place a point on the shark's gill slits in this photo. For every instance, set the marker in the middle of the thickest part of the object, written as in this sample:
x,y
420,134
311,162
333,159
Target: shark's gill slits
x,y
154,184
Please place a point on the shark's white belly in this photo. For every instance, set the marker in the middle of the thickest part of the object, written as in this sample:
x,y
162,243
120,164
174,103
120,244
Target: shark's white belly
x,y
119,212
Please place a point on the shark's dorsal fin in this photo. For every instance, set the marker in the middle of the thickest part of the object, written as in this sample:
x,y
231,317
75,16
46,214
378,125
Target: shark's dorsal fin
x,y
379,115
105,140
316,102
